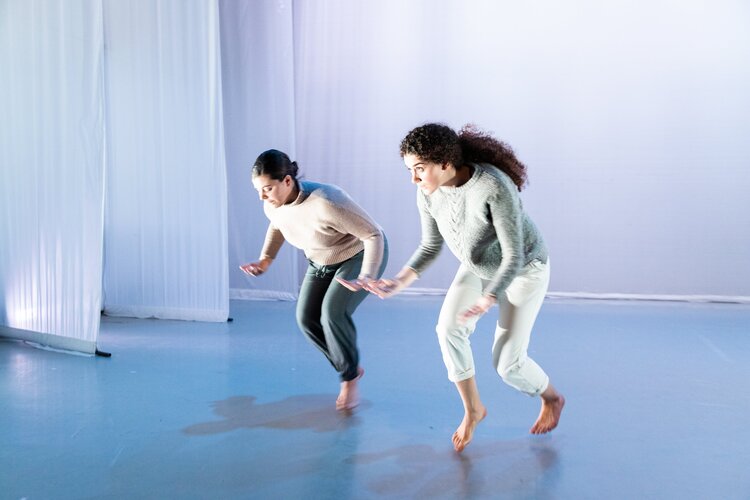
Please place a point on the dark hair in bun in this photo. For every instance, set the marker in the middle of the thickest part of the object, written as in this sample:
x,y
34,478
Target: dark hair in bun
x,y
275,164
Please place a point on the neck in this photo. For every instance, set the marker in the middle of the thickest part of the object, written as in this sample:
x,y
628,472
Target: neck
x,y
293,195
463,174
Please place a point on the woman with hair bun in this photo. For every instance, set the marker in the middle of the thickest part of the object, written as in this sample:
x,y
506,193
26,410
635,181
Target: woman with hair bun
x,y
468,198
345,250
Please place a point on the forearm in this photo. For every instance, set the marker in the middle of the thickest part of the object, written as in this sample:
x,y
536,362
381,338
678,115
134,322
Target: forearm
x,y
373,257
406,276
272,243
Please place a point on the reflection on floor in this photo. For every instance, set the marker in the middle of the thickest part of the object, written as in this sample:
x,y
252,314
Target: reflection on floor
x,y
657,408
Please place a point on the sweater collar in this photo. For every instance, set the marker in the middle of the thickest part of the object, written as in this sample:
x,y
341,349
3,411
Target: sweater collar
x,y
475,174
304,191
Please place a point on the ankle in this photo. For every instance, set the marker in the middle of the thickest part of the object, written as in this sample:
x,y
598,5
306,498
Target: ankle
x,y
475,413
550,395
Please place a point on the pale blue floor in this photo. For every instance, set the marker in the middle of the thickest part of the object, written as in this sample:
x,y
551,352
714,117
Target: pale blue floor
x,y
658,407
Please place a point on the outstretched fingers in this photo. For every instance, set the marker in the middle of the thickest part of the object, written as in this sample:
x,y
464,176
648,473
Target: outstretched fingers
x,y
383,288
468,314
353,285
479,308
251,269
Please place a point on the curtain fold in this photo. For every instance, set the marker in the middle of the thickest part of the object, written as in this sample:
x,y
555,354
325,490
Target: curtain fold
x,y
51,171
165,234
258,83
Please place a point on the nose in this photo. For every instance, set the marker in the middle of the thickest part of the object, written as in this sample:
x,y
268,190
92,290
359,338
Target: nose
x,y
414,178
262,195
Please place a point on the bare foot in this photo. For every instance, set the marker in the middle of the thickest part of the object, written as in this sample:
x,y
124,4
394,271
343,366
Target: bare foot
x,y
349,395
464,433
549,415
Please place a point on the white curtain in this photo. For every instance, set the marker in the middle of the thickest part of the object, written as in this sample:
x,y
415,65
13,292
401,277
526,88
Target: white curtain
x,y
166,207
258,81
51,171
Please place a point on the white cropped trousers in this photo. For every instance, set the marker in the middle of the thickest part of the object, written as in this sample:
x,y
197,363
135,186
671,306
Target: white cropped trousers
x,y
519,306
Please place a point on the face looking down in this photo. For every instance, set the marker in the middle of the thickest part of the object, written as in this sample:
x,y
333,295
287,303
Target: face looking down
x,y
275,192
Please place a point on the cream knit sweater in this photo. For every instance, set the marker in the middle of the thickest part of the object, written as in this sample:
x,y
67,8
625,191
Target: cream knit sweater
x,y
328,225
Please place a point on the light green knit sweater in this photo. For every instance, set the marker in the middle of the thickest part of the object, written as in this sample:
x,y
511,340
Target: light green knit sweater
x,y
483,224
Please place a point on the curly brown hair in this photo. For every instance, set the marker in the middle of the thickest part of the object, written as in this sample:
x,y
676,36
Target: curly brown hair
x,y
438,143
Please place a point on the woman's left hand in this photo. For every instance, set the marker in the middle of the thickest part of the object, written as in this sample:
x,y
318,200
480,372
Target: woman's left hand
x,y
354,285
482,305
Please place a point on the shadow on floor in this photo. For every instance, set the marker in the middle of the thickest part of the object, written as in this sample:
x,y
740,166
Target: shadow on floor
x,y
490,469
313,411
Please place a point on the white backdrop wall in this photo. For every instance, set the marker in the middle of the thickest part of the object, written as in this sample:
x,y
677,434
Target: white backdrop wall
x,y
632,117
166,207
51,172
258,82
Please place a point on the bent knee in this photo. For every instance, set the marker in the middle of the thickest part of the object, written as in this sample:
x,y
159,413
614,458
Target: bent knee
x,y
334,316
451,331
307,319
509,369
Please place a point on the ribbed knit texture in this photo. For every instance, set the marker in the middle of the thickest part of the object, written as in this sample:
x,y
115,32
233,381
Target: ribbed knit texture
x,y
327,224
483,224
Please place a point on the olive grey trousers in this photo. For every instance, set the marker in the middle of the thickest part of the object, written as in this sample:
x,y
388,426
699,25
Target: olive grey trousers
x,y
325,309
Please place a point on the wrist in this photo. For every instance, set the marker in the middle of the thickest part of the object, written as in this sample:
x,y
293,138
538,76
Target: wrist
x,y
406,276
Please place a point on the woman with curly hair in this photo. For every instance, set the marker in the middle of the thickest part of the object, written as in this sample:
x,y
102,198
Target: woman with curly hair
x,y
468,197
345,249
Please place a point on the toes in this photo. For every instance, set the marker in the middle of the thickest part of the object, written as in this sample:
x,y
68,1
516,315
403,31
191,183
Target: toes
x,y
538,428
457,444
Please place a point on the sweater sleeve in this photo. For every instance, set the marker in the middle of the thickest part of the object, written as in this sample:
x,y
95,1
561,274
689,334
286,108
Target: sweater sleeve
x,y
272,244
505,210
431,242
349,218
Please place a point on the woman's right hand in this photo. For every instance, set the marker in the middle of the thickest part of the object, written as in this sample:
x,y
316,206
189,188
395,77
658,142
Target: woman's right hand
x,y
256,268
385,287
